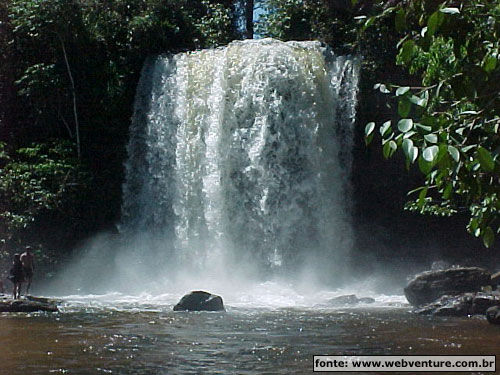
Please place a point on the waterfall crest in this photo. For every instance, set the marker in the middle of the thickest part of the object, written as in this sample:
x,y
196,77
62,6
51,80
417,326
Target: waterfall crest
x,y
242,155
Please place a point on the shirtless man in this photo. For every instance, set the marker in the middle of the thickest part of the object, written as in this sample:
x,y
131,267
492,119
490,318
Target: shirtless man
x,y
27,259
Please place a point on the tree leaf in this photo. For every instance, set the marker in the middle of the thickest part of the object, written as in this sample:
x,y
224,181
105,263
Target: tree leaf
x,y
407,146
369,139
407,51
468,113
389,149
386,126
450,10
405,124
402,90
488,237
424,166
414,154
404,107
421,197
443,157
383,89
421,102
410,151
409,134
369,128
447,191
489,63
433,23
423,127
468,148
485,159
369,22
430,153
455,154
432,138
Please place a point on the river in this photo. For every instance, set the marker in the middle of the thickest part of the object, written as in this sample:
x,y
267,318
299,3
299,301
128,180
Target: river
x,y
120,334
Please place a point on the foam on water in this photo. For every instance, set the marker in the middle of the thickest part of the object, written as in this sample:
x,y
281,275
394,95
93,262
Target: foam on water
x,y
267,295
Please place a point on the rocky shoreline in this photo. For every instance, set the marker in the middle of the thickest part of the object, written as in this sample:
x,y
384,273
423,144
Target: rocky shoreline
x,y
456,291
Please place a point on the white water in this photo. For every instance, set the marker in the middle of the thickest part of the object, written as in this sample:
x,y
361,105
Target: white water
x,y
268,296
237,180
241,155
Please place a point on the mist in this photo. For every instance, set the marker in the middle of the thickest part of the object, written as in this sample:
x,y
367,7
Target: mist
x,y
237,181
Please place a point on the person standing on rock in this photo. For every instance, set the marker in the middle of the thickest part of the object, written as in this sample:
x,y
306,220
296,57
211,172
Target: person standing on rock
x,y
16,275
27,259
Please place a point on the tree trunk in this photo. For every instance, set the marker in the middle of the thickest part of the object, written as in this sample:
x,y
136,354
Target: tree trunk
x,y
249,5
73,91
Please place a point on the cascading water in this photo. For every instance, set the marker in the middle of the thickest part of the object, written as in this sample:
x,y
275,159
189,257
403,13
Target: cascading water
x,y
241,156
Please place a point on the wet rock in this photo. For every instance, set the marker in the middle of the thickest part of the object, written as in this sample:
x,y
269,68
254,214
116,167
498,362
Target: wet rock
x,y
7,304
349,299
448,306
431,285
460,305
43,300
200,301
493,314
483,301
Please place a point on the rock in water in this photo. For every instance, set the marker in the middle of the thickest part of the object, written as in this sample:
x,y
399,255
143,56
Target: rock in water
x,y
349,299
493,315
8,304
430,285
200,301
461,305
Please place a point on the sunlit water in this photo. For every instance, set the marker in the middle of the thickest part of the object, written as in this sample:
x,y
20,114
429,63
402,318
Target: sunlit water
x,y
119,334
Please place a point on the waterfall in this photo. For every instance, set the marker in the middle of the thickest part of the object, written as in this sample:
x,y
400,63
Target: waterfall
x,y
241,156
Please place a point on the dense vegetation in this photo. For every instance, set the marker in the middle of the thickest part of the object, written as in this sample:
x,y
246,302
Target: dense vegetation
x,y
68,72
69,69
448,121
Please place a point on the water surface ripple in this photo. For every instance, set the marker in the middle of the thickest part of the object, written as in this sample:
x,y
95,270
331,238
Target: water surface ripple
x,y
152,339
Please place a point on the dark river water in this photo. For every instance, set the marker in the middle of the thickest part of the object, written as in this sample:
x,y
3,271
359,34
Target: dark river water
x,y
131,338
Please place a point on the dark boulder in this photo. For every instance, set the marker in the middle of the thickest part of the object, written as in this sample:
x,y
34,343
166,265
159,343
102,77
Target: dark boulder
x,y
431,285
460,305
493,315
8,304
448,306
200,301
481,302
349,299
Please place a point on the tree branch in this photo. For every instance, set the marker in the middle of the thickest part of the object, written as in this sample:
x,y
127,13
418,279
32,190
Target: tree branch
x,y
73,92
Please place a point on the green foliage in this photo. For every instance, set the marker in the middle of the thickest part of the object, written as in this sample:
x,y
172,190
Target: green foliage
x,y
450,119
287,19
331,22
75,63
105,44
216,23
37,179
